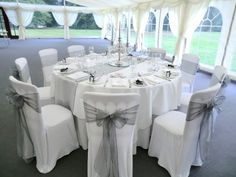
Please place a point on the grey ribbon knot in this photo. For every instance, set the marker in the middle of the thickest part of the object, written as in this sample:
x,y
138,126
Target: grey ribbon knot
x,y
106,162
18,102
206,110
15,73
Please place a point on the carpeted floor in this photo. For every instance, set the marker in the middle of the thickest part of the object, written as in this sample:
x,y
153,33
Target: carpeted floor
x,y
222,158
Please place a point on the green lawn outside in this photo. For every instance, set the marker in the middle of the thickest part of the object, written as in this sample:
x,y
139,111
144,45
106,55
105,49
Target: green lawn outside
x,y
59,33
233,64
204,44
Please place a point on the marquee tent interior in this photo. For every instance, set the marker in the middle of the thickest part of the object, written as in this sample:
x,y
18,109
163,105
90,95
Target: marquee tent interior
x,y
183,20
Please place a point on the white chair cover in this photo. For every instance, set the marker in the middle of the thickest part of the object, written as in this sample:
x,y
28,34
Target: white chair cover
x,y
47,133
189,67
177,139
49,58
24,75
110,127
218,76
157,52
23,69
76,51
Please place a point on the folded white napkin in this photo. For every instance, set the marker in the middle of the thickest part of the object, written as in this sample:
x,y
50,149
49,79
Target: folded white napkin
x,y
58,67
78,76
154,79
118,82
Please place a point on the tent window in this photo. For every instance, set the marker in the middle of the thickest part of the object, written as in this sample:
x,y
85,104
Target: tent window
x,y
43,25
85,26
123,29
150,30
233,64
168,39
206,37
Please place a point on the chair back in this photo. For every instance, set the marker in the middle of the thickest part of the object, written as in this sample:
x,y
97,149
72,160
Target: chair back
x,y
29,125
49,58
23,69
218,75
194,122
26,89
76,50
190,64
110,104
157,52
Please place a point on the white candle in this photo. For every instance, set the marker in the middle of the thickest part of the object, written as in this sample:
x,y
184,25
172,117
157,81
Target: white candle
x,y
119,29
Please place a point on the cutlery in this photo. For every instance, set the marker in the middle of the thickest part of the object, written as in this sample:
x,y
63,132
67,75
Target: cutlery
x,y
162,77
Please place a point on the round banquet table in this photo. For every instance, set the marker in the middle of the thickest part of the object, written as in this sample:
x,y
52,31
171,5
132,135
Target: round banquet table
x,y
158,94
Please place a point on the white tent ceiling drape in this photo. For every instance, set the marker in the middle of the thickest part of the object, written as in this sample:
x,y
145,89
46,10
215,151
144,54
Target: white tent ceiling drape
x,y
66,19
185,15
184,19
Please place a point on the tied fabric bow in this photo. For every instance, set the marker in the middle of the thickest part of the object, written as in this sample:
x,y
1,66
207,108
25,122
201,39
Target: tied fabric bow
x,y
106,162
18,101
208,111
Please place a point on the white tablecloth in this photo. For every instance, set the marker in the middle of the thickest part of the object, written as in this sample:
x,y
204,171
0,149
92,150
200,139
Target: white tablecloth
x,y
156,98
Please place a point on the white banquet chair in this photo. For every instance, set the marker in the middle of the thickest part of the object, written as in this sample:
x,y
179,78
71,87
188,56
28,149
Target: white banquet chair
x,y
175,137
114,116
189,67
24,75
157,52
218,76
49,58
50,128
76,51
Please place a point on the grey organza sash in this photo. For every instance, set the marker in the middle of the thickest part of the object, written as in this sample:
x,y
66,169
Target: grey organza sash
x,y
18,101
15,73
189,67
106,161
207,112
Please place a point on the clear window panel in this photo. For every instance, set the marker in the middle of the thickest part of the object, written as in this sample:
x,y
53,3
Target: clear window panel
x,y
150,31
85,26
43,25
124,29
168,39
233,64
206,37
14,30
